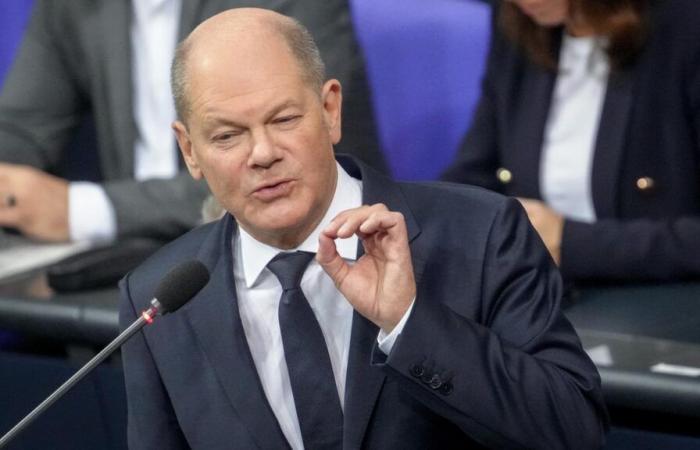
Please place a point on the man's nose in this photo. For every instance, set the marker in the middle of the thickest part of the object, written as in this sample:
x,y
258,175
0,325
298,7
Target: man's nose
x,y
264,152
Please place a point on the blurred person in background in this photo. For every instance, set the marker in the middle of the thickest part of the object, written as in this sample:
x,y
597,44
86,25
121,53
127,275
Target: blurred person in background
x,y
590,114
110,59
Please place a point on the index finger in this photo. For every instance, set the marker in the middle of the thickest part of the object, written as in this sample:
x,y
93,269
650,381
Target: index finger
x,y
346,223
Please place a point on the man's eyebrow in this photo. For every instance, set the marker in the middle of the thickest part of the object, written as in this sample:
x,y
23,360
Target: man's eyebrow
x,y
282,106
215,120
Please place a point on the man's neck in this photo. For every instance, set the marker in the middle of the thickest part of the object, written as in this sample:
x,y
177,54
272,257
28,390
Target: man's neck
x,y
255,253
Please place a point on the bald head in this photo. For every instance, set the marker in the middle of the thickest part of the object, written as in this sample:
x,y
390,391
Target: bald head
x,y
243,30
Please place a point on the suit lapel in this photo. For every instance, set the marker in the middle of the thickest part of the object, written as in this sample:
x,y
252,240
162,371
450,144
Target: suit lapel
x,y
610,142
217,325
530,129
377,188
364,382
115,21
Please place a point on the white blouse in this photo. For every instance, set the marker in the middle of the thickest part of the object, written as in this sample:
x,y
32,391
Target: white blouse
x,y
572,127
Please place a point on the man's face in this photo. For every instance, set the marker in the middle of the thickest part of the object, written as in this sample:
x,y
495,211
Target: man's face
x,y
262,138
546,13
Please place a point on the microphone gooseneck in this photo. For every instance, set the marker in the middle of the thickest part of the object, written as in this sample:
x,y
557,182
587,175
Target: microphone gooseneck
x,y
176,288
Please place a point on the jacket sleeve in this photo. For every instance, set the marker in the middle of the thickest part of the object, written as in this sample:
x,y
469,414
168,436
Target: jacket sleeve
x,y
158,208
151,420
516,377
627,250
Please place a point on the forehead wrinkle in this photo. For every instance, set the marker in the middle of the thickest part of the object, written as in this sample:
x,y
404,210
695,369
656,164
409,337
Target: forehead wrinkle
x,y
212,120
228,108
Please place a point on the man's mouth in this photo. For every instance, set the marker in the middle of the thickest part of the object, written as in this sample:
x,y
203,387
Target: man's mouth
x,y
273,190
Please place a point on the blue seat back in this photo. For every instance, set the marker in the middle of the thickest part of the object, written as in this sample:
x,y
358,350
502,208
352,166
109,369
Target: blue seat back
x,y
425,60
13,19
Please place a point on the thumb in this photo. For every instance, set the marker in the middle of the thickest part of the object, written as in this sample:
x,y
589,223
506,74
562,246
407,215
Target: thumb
x,y
329,259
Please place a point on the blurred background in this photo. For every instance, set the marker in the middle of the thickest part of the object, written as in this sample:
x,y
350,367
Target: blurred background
x,y
424,62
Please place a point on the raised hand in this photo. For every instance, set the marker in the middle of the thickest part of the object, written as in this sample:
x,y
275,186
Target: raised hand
x,y
380,285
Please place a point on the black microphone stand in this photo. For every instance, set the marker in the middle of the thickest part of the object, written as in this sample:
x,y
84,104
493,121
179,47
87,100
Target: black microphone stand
x,y
145,319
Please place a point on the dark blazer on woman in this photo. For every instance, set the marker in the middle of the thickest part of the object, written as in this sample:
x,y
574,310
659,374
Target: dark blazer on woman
x,y
646,168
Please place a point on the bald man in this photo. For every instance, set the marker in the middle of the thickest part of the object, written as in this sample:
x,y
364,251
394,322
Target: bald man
x,y
110,60
428,318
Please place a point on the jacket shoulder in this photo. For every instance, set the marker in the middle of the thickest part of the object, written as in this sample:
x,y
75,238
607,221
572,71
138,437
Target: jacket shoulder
x,y
454,199
141,282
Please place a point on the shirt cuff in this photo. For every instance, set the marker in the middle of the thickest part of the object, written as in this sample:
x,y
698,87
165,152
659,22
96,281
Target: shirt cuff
x,y
386,341
90,213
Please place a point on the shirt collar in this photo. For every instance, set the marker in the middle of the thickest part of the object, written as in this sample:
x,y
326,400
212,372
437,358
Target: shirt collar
x,y
255,255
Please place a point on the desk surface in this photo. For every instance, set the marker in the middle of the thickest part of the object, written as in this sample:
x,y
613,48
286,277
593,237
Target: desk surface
x,y
645,340
28,306
670,312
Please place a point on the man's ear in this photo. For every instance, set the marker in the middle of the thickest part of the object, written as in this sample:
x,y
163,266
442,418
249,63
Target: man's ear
x,y
332,98
185,144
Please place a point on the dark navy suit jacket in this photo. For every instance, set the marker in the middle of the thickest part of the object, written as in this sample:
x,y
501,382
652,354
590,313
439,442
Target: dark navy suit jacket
x,y
485,359
650,128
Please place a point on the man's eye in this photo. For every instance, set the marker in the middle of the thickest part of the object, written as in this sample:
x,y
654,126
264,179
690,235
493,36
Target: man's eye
x,y
286,119
224,137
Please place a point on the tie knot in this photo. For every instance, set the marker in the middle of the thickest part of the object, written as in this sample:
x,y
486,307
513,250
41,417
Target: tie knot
x,y
289,268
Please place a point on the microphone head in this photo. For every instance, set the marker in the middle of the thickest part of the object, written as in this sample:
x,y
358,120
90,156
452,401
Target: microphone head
x,y
180,285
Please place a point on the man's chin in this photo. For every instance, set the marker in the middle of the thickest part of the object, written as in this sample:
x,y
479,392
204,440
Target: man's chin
x,y
281,229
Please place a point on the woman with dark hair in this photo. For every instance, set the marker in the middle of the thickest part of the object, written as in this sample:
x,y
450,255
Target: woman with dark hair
x,y
590,114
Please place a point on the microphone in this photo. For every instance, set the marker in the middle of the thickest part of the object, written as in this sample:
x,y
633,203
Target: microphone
x,y
174,290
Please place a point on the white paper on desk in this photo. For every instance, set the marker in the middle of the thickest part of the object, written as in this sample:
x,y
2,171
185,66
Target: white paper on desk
x,y
27,256
675,369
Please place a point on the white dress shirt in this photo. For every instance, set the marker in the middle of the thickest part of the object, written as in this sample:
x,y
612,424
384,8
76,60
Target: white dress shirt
x,y
259,291
153,31
572,127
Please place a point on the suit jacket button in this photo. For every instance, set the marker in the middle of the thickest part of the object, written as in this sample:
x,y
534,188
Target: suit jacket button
x,y
504,175
645,184
446,388
435,382
417,370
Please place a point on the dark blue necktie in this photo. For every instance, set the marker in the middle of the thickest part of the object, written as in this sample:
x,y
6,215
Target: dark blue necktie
x,y
310,372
